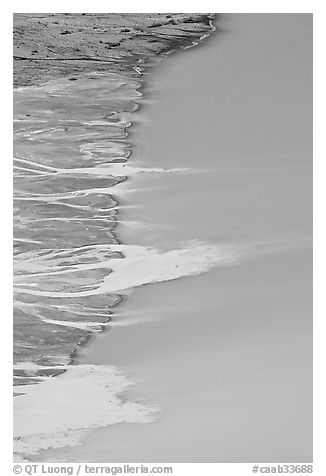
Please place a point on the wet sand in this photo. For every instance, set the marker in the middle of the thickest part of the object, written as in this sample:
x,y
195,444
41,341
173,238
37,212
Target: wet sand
x,y
224,355
79,78
71,145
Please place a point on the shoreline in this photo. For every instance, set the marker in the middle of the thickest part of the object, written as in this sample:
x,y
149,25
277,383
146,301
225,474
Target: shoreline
x,y
139,89
225,351
147,35
30,382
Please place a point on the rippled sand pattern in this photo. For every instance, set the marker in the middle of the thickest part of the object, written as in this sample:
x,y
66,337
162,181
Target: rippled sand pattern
x,y
64,214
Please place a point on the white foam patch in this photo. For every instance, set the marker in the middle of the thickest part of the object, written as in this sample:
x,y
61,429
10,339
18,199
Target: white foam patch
x,y
144,265
119,170
113,169
89,326
53,414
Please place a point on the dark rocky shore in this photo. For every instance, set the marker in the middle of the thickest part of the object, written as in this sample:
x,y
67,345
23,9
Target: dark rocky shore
x,y
53,45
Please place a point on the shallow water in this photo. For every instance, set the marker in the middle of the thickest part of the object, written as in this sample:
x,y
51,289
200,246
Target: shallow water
x,y
225,354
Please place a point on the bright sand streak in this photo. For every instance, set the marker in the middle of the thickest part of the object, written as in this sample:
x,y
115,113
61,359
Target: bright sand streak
x,y
226,355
